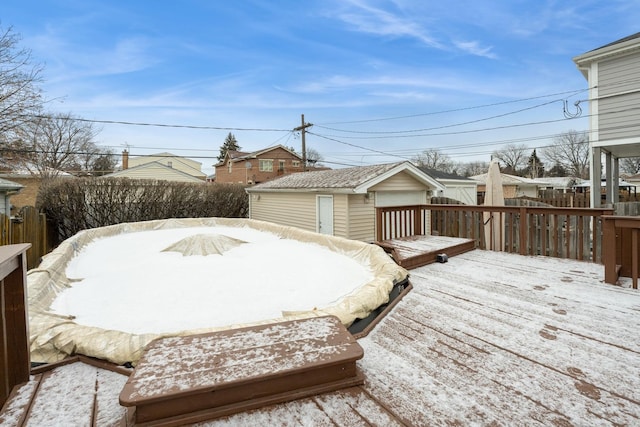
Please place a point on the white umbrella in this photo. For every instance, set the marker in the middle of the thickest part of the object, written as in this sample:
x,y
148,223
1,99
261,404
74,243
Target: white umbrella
x,y
494,196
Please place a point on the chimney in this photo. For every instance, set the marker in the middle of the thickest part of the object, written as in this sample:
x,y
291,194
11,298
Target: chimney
x,y
125,160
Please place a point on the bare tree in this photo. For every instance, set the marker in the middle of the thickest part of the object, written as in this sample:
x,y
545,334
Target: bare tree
x,y
19,96
434,159
50,144
630,165
475,168
570,150
314,158
513,157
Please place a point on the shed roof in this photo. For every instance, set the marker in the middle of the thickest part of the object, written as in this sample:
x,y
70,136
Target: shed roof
x,y
356,179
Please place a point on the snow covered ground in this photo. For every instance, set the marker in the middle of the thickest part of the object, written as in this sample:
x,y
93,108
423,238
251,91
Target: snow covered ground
x,y
129,283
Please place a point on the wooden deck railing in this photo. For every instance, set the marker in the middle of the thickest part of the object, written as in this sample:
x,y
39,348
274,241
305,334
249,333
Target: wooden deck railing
x,y
14,323
574,233
620,247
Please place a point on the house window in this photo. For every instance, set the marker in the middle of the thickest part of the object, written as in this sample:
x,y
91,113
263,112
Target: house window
x,y
281,165
266,166
170,164
295,164
229,165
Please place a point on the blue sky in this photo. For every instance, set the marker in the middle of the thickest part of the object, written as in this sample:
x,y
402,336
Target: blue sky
x,y
380,80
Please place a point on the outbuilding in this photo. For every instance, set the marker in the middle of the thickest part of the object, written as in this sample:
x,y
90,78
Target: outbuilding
x,y
341,202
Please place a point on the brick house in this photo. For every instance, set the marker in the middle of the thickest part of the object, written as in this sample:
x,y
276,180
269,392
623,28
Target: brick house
x,y
258,166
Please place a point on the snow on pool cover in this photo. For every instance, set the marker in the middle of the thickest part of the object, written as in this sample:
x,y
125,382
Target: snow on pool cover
x,y
135,282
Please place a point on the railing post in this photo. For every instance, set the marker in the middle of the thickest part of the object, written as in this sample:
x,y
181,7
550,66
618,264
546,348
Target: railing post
x,y
14,328
523,231
609,250
417,220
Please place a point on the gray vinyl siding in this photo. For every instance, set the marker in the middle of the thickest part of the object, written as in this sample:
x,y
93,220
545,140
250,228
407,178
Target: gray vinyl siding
x,y
340,215
399,182
619,116
362,218
618,75
290,209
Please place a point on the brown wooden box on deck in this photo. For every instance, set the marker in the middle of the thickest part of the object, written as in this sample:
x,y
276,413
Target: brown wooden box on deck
x,y
199,377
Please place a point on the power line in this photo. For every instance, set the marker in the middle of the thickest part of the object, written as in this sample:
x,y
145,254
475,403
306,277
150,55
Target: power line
x,y
445,126
455,110
118,122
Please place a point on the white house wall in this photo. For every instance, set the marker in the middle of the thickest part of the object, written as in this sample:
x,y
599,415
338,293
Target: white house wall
x,y
182,164
619,97
156,172
465,194
399,182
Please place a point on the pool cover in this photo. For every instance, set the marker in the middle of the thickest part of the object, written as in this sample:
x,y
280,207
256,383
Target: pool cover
x,y
54,337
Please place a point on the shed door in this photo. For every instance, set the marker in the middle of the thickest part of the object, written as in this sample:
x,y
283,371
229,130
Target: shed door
x,y
325,215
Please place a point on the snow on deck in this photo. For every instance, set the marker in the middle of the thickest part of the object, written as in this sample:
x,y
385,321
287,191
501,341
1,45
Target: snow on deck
x,y
490,338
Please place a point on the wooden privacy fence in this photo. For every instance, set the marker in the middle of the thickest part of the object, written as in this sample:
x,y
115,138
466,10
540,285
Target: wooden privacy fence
x,y
29,226
574,233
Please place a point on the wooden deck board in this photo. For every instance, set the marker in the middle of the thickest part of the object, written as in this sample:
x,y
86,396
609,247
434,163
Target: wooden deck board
x,y
416,251
485,338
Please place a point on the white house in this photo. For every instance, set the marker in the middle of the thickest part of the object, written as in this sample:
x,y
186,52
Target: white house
x,y
160,166
614,95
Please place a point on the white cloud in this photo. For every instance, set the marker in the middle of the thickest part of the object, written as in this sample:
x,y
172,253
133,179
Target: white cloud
x,y
474,48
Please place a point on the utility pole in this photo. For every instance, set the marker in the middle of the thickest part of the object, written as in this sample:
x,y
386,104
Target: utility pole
x,y
303,130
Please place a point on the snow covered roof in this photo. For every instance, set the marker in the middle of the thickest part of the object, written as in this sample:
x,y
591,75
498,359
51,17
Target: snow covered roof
x,y
6,185
355,179
511,180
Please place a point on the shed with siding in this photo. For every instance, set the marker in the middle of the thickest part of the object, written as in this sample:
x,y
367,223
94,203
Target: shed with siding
x,y
340,202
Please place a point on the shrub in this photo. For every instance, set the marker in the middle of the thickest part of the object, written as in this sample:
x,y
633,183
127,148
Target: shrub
x,y
72,205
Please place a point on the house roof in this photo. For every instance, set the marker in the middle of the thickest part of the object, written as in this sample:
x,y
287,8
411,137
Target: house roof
x,y
159,171
6,185
619,47
237,156
356,179
510,180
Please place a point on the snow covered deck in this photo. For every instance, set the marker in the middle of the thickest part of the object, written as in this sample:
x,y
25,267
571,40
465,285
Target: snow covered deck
x,y
486,338
416,251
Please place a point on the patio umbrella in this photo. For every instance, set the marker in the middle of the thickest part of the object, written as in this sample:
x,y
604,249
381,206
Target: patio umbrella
x,y
494,196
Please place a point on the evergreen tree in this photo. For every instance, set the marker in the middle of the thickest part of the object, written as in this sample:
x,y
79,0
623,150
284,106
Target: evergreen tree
x,y
535,167
230,144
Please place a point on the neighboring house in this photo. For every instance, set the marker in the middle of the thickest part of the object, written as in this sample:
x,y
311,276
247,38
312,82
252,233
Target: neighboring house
x,y
258,166
30,183
456,187
584,186
156,171
560,184
614,96
160,166
340,202
7,189
512,186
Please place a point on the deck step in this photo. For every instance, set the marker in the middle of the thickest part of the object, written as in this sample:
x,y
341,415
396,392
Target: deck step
x,y
194,378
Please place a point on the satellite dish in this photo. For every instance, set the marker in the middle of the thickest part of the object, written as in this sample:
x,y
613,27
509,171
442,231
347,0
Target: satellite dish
x,y
247,165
